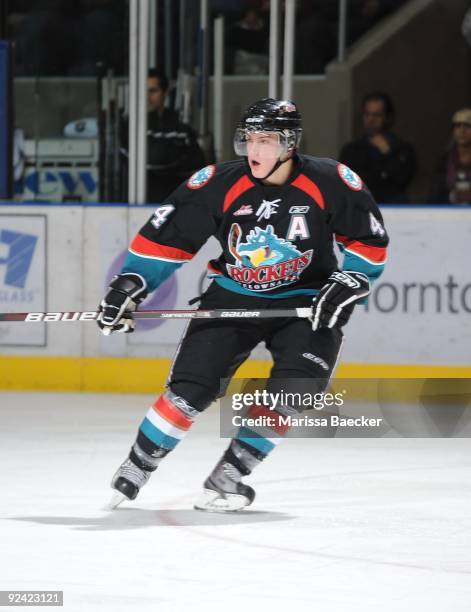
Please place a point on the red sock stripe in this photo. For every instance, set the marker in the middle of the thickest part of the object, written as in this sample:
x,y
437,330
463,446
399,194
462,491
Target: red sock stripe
x,y
237,189
305,184
263,411
144,246
172,414
372,253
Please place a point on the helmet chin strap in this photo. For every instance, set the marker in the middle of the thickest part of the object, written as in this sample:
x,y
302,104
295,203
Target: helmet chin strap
x,y
277,164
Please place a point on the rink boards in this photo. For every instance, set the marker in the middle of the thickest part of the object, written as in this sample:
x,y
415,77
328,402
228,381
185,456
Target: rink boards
x,y
62,257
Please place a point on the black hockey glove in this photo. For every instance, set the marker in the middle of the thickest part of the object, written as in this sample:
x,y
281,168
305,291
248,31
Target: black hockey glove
x,y
126,291
334,303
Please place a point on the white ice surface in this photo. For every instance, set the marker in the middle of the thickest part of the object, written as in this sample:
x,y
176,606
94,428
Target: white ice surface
x,y
338,525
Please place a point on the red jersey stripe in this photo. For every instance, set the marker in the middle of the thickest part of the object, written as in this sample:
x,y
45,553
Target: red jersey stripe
x,y
374,254
172,414
237,189
308,186
144,246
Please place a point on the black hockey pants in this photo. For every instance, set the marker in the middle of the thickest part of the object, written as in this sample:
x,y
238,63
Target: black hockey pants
x,y
212,350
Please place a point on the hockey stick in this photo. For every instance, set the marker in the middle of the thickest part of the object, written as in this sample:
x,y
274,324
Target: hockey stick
x,y
56,317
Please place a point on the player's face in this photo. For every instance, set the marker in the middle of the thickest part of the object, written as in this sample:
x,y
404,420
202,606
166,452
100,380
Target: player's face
x,y
462,134
155,95
374,117
263,150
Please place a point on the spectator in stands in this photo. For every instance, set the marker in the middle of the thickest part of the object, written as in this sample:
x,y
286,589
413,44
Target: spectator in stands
x,y
249,40
451,183
384,161
173,153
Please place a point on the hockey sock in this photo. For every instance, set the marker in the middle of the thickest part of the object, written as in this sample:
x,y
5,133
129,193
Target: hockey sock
x,y
264,430
164,426
253,443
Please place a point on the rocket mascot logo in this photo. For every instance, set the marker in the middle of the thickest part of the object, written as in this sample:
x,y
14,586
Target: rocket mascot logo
x,y
264,261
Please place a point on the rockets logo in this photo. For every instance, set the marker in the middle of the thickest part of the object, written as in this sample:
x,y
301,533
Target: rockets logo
x,y
264,261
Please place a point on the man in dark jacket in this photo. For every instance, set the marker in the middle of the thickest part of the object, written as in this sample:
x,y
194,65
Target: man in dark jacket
x,y
173,153
385,162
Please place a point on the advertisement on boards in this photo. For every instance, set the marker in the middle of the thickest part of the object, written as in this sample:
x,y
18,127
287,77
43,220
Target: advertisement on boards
x,y
23,276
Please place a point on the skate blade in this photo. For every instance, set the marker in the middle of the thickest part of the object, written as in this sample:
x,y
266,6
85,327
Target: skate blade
x,y
115,501
212,501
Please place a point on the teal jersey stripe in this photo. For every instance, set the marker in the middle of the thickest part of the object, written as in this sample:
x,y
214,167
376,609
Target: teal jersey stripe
x,y
359,264
231,285
155,271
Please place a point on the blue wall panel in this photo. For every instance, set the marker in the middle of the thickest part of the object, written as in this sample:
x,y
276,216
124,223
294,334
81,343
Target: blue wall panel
x,y
5,121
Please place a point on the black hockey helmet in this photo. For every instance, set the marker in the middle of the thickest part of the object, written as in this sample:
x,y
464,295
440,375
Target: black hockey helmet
x,y
270,115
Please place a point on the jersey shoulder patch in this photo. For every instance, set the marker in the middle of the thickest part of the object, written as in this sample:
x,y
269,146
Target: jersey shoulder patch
x,y
201,177
350,178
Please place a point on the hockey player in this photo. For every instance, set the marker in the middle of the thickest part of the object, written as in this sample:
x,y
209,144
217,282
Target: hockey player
x,y
276,214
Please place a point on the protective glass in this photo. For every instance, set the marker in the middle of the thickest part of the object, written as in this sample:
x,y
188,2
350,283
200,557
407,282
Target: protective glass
x,y
267,145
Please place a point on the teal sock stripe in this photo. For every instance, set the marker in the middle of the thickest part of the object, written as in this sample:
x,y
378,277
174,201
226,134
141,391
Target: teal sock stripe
x,y
260,443
157,436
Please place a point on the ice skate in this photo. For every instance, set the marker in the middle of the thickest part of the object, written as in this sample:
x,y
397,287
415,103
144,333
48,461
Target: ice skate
x,y
127,482
223,491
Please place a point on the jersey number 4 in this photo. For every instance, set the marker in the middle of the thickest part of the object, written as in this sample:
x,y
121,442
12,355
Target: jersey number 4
x,y
376,228
161,215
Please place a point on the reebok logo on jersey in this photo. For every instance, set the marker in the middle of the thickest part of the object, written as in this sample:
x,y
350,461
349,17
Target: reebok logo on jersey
x,y
245,209
298,210
264,261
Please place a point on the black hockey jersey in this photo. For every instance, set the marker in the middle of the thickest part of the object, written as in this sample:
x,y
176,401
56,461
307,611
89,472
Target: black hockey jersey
x,y
276,241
